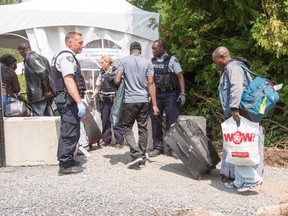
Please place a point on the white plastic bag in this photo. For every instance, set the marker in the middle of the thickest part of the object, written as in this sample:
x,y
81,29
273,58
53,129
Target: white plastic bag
x,y
241,142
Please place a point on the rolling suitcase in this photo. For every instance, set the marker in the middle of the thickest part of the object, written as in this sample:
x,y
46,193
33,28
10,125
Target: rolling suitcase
x,y
93,132
227,169
193,148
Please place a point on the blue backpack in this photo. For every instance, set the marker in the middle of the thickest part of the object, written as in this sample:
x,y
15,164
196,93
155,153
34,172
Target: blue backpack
x,y
258,98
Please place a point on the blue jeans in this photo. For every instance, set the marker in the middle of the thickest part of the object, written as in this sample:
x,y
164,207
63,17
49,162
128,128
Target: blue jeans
x,y
41,108
245,174
4,102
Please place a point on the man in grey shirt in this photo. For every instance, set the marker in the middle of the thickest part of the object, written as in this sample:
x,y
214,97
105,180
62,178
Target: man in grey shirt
x,y
138,77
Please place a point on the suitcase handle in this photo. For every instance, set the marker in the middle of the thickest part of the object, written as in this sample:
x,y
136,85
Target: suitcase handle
x,y
162,122
181,150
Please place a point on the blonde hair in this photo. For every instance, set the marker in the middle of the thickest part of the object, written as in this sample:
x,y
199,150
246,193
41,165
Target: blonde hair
x,y
107,59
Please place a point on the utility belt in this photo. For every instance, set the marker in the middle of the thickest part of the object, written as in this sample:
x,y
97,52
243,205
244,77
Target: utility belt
x,y
104,97
81,93
60,92
64,97
166,89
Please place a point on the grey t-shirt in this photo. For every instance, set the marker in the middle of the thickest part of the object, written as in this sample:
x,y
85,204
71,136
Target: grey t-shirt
x,y
135,69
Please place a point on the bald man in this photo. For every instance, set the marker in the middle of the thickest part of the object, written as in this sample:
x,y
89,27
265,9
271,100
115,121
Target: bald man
x,y
233,81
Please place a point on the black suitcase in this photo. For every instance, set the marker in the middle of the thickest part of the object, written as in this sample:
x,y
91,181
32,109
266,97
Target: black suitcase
x,y
193,147
93,132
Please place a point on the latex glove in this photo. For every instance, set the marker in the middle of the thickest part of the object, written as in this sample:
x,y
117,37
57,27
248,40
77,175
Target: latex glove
x,y
81,109
181,99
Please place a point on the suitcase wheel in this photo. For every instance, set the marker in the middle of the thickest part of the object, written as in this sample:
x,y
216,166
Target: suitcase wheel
x,y
223,177
198,176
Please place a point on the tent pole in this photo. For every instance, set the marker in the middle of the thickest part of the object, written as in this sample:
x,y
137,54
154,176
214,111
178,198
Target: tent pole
x,y
2,140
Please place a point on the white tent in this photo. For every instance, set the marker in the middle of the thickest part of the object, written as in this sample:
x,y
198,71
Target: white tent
x,y
107,26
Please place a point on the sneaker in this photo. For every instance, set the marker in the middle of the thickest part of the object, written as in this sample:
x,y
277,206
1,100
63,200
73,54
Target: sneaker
x,y
119,146
246,187
87,148
173,154
155,153
258,183
75,163
134,162
69,170
141,164
230,185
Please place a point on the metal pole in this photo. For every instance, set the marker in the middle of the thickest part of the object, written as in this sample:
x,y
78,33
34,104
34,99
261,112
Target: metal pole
x,y
2,140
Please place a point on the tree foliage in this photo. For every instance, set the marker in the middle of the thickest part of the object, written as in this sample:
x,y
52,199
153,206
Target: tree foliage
x,y
5,2
255,30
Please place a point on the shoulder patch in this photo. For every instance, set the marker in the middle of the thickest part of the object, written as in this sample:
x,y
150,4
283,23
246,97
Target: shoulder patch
x,y
70,59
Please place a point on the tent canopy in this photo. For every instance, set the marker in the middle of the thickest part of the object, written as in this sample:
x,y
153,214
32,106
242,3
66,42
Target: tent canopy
x,y
46,22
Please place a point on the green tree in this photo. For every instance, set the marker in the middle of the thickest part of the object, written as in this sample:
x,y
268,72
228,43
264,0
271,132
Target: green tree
x,y
255,30
5,2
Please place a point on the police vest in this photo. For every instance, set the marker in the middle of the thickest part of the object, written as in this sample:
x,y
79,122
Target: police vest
x,y
107,81
58,81
165,80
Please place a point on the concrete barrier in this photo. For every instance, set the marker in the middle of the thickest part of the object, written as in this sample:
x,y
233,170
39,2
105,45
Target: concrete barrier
x,y
201,121
31,140
34,140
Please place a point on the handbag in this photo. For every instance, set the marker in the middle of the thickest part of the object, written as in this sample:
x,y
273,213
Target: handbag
x,y
240,141
15,108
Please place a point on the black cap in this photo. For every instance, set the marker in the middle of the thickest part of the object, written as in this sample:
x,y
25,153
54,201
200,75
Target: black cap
x,y
135,45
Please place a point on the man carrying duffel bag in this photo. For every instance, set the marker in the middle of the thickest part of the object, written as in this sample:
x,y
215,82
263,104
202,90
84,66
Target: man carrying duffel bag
x,y
233,81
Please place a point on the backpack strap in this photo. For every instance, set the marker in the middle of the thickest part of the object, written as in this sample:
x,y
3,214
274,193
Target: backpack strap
x,y
246,69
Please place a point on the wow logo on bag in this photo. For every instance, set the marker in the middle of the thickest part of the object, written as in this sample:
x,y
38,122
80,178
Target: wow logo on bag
x,y
238,137
241,142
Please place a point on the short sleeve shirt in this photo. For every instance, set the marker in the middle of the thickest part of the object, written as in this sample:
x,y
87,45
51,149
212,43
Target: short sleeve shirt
x,y
135,69
173,65
98,81
66,63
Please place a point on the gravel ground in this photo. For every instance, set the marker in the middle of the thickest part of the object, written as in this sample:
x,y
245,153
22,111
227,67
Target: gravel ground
x,y
107,187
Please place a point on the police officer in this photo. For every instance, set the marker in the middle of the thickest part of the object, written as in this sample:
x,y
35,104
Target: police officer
x,y
168,78
69,86
107,88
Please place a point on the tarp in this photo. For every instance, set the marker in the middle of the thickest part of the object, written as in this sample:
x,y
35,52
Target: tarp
x,y
112,24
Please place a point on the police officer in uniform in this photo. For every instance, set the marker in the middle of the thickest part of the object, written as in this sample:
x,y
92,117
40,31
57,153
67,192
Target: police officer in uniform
x,y
169,80
107,88
69,87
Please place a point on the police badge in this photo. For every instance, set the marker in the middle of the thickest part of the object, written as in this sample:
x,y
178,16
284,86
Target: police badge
x,y
70,58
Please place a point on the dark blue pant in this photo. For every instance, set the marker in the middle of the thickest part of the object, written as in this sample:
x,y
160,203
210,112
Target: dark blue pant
x,y
138,112
106,106
69,131
166,102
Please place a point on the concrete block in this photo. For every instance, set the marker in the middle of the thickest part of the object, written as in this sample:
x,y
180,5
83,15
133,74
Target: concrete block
x,y
34,140
200,120
31,140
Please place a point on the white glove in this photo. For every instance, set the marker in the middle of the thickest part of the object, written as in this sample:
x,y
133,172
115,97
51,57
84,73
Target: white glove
x,y
181,99
81,109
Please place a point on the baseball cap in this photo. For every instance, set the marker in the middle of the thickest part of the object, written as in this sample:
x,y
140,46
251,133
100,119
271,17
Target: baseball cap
x,y
135,45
